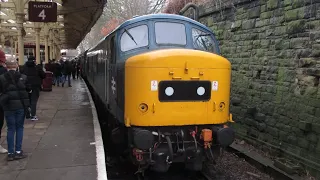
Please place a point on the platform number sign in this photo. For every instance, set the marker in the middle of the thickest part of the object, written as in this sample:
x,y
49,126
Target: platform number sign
x,y
42,15
42,11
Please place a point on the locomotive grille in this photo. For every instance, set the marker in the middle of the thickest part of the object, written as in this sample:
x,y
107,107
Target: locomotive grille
x,y
184,91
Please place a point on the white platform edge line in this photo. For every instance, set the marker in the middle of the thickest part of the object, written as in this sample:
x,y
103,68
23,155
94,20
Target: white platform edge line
x,y
100,156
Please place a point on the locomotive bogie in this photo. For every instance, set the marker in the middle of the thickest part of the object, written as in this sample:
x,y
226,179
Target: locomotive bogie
x,y
186,144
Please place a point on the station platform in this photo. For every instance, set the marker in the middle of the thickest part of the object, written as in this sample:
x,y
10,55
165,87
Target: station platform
x,y
64,144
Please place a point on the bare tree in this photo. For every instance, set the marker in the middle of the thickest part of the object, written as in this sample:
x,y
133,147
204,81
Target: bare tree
x,y
119,10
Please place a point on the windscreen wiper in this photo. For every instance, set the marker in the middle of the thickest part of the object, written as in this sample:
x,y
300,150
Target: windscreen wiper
x,y
125,30
200,35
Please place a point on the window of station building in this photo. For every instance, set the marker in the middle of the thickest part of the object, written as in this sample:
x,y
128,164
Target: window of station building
x,y
203,41
135,37
28,52
170,33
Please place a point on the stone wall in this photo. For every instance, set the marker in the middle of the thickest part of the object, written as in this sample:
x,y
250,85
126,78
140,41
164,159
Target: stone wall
x,y
274,47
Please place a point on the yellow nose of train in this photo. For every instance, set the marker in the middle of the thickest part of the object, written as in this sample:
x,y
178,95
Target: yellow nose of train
x,y
175,87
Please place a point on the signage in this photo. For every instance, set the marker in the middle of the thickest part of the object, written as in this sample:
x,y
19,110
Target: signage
x,y
42,11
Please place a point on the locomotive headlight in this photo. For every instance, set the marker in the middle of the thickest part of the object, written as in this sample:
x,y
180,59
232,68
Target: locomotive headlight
x,y
169,91
201,91
143,107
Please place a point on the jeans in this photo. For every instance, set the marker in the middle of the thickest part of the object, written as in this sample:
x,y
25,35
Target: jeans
x,y
57,80
1,119
15,122
34,100
66,78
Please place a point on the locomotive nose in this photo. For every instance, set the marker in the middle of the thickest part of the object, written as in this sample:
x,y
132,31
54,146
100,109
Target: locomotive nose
x,y
177,87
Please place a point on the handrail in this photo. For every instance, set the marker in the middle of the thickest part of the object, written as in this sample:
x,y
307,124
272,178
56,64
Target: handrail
x,y
190,5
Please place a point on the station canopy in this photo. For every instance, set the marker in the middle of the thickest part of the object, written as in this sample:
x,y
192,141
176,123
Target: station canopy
x,y
75,18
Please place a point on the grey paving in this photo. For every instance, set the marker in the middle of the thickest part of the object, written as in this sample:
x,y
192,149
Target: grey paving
x,y
58,145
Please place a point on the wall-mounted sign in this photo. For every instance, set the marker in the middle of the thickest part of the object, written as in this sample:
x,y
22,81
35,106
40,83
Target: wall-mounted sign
x,y
42,11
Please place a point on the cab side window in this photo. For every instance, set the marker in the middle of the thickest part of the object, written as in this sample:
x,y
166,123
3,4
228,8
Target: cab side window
x,y
203,41
135,37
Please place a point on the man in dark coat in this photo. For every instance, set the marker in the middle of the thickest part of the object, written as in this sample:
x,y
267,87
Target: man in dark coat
x,y
57,73
35,76
3,70
14,101
67,71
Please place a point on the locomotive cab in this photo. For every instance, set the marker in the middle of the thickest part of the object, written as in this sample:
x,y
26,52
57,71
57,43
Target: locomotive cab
x,y
175,93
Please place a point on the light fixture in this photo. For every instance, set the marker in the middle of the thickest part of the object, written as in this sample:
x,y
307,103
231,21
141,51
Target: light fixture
x,y
11,21
59,4
2,13
61,24
14,28
60,16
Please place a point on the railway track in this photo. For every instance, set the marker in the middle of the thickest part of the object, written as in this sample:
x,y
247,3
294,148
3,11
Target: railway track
x,y
175,173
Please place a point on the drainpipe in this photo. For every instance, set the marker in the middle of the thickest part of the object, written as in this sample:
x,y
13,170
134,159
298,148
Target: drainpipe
x,y
191,5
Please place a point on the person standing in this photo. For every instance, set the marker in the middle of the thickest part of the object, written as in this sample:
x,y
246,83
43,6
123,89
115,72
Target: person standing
x,y
67,71
78,69
57,73
3,70
35,76
14,100
74,69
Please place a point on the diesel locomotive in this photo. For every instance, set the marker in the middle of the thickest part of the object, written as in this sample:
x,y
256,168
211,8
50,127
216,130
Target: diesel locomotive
x,y
166,87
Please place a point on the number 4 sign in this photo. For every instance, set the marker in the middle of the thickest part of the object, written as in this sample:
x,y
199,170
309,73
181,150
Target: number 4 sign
x,y
42,14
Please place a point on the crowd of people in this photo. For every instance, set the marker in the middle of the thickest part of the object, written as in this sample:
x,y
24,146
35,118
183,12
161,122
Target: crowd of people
x,y
63,70
19,93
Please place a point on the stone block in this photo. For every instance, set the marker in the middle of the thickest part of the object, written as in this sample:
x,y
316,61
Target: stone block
x,y
302,142
262,127
314,103
287,2
305,126
254,12
292,139
294,14
312,137
297,26
278,12
248,24
298,3
272,131
209,21
299,43
281,30
253,133
272,4
318,147
266,15
317,113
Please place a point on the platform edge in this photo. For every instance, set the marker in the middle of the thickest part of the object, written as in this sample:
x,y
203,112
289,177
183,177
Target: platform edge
x,y
100,155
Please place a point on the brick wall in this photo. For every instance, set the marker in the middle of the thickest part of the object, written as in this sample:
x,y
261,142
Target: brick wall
x,y
274,47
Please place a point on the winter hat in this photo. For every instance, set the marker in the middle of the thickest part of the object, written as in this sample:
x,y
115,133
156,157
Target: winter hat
x,y
2,57
11,63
